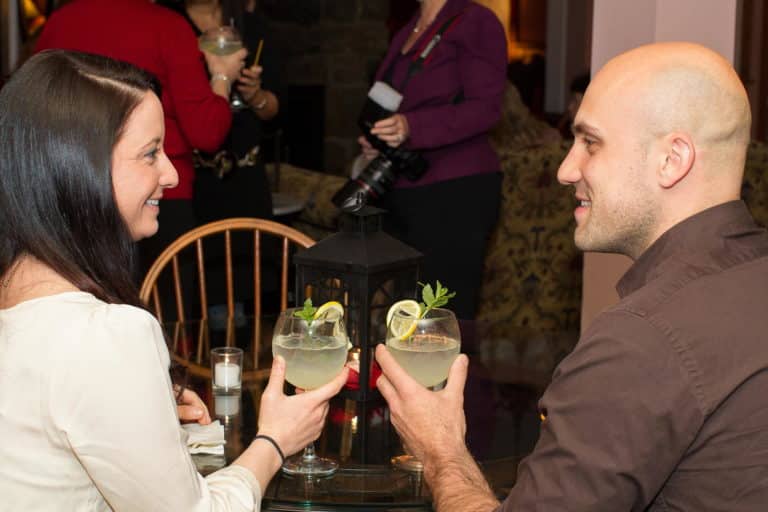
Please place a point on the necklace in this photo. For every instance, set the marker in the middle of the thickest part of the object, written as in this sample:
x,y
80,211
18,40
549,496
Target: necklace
x,y
9,274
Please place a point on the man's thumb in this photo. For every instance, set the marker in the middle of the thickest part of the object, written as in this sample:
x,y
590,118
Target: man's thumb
x,y
457,375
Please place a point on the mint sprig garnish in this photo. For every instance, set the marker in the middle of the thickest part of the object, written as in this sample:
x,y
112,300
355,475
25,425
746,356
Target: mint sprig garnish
x,y
432,299
307,313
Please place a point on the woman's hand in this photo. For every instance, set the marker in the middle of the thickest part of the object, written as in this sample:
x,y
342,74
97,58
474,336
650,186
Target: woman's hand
x,y
249,83
263,102
227,65
295,421
392,130
191,408
369,152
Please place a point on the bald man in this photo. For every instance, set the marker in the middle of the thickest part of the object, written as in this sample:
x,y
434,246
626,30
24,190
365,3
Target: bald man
x,y
663,404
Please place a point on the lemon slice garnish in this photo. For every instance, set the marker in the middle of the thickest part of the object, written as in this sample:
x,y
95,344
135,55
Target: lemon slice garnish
x,y
331,311
403,325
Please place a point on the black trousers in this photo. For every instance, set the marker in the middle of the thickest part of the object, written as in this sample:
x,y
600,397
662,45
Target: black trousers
x,y
449,222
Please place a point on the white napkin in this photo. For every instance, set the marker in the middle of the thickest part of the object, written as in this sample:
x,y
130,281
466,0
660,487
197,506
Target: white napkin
x,y
205,438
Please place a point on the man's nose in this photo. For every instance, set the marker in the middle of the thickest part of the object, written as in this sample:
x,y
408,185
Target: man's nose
x,y
569,171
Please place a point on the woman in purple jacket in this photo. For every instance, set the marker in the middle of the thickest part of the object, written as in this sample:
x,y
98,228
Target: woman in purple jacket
x,y
448,106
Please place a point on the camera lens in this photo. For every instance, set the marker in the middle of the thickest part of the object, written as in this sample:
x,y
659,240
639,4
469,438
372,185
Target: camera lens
x,y
374,181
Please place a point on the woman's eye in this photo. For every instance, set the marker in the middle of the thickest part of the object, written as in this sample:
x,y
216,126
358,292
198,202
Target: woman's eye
x,y
152,155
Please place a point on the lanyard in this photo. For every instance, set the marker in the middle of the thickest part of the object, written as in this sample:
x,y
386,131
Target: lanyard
x,y
423,55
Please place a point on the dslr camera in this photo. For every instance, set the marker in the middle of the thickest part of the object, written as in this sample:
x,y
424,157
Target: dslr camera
x,y
379,175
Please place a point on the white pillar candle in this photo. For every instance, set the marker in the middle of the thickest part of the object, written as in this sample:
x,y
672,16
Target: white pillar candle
x,y
227,375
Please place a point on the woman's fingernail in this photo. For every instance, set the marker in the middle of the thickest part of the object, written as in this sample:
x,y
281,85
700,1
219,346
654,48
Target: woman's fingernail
x,y
197,412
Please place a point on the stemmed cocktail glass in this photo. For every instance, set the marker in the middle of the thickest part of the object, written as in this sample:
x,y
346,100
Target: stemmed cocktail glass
x,y
224,40
425,348
315,352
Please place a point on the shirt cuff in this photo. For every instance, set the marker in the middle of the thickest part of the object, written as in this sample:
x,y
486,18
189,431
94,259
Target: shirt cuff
x,y
232,475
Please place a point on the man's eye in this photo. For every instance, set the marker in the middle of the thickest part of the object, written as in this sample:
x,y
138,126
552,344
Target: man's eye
x,y
589,143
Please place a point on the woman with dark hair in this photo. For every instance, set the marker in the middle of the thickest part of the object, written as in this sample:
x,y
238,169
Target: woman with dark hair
x,y
195,107
86,402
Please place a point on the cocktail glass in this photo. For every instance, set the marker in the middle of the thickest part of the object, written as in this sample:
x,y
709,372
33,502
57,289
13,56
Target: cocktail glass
x,y
314,354
425,348
223,40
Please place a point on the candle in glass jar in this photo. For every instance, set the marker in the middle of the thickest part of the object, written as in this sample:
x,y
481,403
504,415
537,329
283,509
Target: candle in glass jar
x,y
227,375
226,405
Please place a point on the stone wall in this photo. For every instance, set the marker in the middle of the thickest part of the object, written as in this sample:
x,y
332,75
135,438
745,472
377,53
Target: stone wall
x,y
336,44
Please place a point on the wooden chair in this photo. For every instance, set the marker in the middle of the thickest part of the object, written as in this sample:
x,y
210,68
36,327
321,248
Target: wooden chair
x,y
189,248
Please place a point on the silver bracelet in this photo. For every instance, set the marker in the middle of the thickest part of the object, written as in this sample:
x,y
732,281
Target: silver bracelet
x,y
223,77
262,103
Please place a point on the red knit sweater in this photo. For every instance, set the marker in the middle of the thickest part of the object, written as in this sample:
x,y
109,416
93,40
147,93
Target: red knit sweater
x,y
162,42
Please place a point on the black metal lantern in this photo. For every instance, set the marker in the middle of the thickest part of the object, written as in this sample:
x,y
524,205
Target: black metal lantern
x,y
366,270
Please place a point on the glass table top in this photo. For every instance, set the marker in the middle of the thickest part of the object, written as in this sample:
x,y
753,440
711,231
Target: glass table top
x,y
506,378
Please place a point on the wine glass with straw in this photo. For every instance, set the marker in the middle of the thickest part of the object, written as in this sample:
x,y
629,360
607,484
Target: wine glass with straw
x,y
224,40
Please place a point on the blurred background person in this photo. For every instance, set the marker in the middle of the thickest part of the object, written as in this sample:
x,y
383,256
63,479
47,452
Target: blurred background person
x,y
448,107
232,181
196,111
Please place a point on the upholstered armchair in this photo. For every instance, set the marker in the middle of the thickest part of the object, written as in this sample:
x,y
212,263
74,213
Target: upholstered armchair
x,y
754,189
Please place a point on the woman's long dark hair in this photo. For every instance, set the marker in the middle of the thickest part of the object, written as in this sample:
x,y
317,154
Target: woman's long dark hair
x,y
61,115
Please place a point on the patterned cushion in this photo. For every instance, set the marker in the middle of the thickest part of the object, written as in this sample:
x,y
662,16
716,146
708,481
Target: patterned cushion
x,y
532,274
754,189
319,217
518,129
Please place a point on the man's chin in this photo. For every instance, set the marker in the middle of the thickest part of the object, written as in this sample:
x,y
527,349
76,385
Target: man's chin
x,y
586,243
581,239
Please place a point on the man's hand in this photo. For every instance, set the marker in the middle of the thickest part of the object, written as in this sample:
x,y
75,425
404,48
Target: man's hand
x,y
432,426
191,408
430,423
295,421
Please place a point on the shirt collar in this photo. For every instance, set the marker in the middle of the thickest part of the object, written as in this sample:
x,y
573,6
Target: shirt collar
x,y
696,234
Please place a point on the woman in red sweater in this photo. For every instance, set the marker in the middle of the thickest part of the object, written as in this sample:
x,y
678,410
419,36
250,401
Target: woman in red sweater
x,y
196,112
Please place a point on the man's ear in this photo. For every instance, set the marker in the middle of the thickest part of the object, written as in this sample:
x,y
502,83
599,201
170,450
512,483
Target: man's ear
x,y
679,156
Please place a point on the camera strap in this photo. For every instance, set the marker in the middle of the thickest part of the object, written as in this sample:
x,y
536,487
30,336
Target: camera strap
x,y
424,53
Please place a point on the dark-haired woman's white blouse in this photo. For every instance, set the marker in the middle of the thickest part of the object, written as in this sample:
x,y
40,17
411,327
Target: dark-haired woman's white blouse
x,y
88,419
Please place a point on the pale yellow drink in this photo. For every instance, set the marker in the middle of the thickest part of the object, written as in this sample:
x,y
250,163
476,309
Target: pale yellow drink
x,y
220,47
425,357
312,362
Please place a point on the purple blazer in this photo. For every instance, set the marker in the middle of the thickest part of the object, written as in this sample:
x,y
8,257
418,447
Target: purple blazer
x,y
471,58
